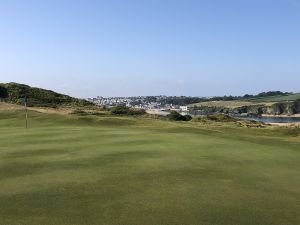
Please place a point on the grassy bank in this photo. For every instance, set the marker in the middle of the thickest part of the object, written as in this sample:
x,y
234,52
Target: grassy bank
x,y
70,169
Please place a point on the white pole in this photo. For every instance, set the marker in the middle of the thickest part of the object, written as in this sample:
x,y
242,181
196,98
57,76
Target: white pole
x,y
26,112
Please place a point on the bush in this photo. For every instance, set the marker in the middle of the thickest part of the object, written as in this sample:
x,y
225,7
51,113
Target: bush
x,y
137,112
221,118
215,118
178,117
123,110
120,110
3,92
79,112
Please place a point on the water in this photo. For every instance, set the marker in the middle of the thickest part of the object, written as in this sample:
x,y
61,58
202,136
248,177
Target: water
x,y
273,119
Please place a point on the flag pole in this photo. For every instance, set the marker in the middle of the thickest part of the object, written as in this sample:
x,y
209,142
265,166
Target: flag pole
x,y
26,112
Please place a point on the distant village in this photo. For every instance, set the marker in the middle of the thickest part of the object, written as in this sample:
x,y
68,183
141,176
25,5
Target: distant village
x,y
150,103
247,105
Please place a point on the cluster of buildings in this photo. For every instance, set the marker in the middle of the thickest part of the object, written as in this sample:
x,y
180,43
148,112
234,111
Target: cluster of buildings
x,y
142,102
112,101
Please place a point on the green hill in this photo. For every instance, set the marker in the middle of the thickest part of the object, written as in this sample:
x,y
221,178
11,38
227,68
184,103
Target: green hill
x,y
276,98
272,103
15,93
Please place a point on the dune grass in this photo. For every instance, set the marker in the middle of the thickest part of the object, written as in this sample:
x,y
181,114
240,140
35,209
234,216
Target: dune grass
x,y
69,169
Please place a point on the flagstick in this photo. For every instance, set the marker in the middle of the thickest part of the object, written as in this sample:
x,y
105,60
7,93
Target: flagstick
x,y
26,112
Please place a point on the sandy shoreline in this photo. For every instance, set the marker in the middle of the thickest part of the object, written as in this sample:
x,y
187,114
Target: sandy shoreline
x,y
285,124
294,115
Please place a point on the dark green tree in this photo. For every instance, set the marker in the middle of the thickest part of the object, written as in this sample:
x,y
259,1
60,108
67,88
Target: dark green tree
x,y
178,117
3,92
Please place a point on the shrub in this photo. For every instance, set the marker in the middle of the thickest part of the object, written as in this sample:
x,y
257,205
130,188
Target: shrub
x,y
178,117
215,118
123,110
3,92
79,112
221,118
137,112
119,110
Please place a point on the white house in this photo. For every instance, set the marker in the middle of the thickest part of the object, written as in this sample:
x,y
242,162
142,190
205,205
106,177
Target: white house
x,y
184,108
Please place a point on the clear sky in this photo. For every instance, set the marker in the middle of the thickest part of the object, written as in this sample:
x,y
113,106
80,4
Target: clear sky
x,y
87,48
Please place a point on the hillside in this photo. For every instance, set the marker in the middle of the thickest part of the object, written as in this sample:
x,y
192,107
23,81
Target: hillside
x,y
227,104
15,93
277,98
280,104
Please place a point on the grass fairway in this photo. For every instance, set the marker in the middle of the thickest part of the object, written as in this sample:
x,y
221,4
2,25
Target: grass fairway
x,y
70,170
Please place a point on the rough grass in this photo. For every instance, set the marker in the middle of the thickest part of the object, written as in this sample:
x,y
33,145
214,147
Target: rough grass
x,y
291,97
227,104
251,101
70,169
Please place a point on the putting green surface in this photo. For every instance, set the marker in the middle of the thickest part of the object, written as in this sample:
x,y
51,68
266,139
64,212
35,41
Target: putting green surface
x,y
69,170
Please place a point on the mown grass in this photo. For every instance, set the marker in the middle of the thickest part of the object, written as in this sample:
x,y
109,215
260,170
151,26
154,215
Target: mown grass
x,y
126,170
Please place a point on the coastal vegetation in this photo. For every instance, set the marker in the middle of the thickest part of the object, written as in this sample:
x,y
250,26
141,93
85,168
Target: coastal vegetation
x,y
178,117
123,110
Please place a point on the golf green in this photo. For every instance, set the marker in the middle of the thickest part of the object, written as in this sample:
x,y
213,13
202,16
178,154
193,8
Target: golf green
x,y
107,170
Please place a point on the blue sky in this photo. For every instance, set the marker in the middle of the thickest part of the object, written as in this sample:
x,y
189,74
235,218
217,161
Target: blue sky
x,y
150,47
